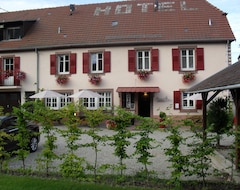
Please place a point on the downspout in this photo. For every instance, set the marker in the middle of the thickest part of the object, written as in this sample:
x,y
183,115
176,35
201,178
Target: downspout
x,y
37,82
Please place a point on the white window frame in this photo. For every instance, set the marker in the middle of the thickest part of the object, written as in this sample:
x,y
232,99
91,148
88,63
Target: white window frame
x,y
57,103
143,60
106,101
186,103
63,63
90,103
97,62
187,59
8,64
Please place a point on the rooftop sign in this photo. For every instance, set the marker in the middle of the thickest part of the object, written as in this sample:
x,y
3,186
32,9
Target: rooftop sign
x,y
145,7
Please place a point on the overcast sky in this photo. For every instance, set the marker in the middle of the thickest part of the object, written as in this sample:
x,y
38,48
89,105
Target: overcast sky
x,y
229,6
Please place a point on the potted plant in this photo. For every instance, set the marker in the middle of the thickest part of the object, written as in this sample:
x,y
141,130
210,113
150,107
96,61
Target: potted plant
x,y
20,75
110,124
7,74
162,118
188,77
95,79
62,79
142,74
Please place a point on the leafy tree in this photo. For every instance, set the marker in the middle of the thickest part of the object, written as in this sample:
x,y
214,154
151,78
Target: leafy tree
x,y
120,138
4,155
72,165
219,117
144,144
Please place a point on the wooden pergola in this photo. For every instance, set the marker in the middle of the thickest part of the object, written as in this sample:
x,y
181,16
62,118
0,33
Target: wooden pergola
x,y
226,79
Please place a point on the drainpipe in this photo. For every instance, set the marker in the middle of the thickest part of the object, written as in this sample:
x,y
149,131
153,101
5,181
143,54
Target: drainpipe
x,y
37,82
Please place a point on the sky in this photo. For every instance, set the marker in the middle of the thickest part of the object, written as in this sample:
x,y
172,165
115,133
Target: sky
x,y
231,7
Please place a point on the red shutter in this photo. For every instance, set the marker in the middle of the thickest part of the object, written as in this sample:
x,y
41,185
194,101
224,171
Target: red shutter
x,y
73,63
107,61
199,104
131,60
177,100
85,62
1,71
200,58
16,69
175,60
155,59
53,64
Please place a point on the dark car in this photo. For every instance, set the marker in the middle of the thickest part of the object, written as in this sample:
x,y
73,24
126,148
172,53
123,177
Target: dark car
x,y
8,124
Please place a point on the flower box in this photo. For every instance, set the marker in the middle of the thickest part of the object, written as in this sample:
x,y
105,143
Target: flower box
x,y
142,74
20,75
188,77
95,79
62,79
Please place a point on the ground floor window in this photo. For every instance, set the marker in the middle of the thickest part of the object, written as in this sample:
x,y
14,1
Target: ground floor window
x,y
186,102
57,103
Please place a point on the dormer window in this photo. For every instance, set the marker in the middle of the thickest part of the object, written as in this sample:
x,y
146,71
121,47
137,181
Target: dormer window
x,y
13,33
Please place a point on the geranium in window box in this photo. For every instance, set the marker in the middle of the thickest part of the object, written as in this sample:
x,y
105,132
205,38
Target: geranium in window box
x,y
188,77
142,74
20,75
62,79
95,79
7,74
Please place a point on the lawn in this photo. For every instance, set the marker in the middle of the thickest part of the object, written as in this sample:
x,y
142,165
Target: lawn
x,y
8,182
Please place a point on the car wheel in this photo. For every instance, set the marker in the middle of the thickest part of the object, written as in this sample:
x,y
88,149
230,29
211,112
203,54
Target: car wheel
x,y
33,144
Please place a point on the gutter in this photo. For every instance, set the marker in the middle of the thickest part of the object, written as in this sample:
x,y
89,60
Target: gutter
x,y
37,77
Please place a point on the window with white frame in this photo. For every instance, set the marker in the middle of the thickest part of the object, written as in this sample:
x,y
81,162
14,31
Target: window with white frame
x,y
106,100
63,64
96,62
90,103
187,59
65,100
8,64
57,103
143,60
187,103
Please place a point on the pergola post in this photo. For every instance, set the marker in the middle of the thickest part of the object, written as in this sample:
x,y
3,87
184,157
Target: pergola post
x,y
204,113
236,99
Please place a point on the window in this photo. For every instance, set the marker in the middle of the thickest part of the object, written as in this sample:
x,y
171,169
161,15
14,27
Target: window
x,y
90,103
8,64
63,64
94,103
143,60
106,101
128,100
183,102
65,100
13,33
187,103
96,62
57,103
187,59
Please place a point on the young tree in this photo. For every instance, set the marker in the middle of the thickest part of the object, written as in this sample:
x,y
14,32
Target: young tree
x,y
219,117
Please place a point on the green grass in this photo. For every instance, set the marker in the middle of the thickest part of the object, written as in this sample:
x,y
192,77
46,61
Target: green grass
x,y
8,182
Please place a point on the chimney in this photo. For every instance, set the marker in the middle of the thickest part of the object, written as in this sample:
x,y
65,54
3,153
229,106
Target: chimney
x,y
72,8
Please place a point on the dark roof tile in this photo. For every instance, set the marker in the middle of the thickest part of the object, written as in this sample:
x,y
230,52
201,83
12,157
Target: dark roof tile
x,y
173,23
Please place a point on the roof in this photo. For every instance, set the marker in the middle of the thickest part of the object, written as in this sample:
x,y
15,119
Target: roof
x,y
138,89
120,23
228,78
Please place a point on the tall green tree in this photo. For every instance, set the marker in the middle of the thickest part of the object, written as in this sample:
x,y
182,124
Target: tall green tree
x,y
219,117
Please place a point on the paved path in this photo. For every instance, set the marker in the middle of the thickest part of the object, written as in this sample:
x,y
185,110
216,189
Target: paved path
x,y
105,156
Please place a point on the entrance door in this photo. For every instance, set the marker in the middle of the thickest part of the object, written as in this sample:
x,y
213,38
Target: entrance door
x,y
144,104
8,100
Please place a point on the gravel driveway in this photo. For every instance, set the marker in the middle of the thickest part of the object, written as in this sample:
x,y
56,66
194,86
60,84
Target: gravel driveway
x,y
105,156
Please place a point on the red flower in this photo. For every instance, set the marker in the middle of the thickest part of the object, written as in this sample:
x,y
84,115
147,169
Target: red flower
x,y
62,79
188,77
95,79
